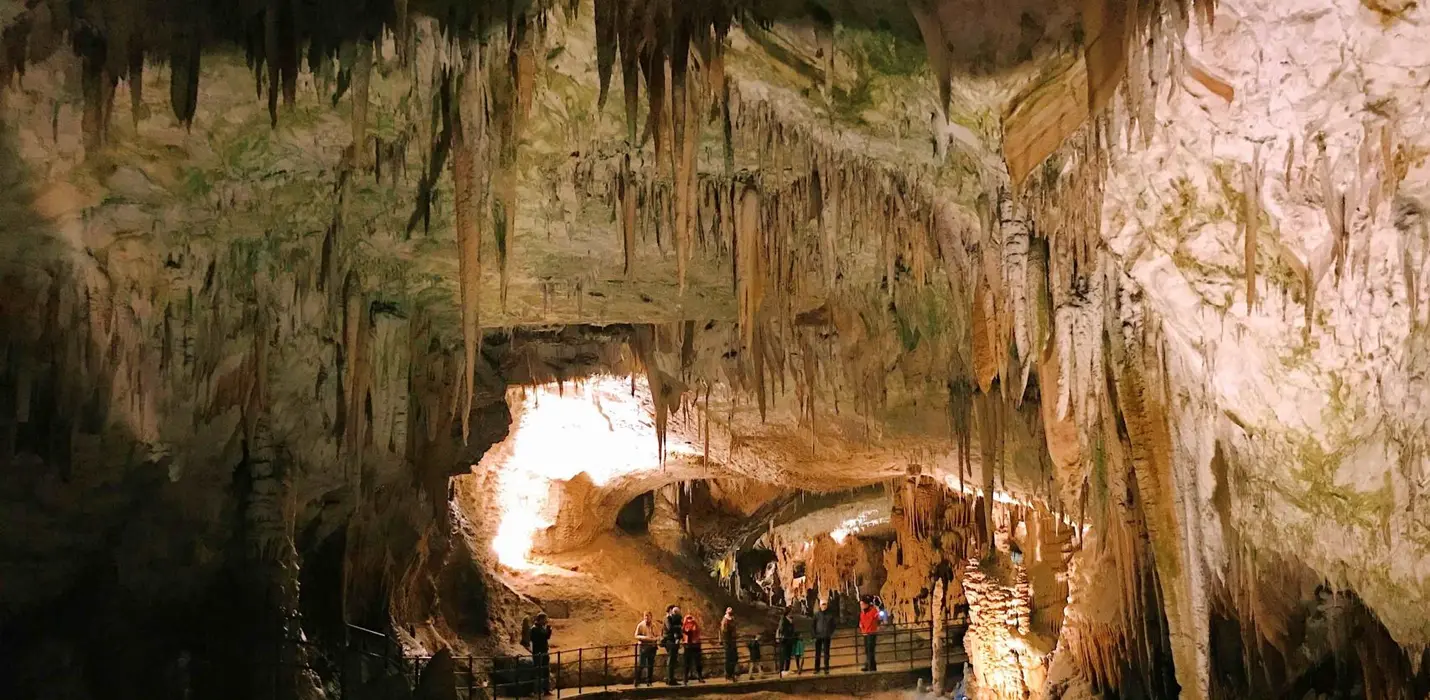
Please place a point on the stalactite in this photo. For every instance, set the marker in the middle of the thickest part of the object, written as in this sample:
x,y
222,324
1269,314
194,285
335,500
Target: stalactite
x,y
631,25
271,13
1334,202
1015,278
936,44
608,17
513,92
97,84
685,100
362,71
135,77
402,31
626,195
1251,223
990,439
749,266
1137,366
441,144
469,146
353,383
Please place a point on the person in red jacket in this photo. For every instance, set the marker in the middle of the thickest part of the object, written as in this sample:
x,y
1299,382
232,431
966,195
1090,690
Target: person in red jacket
x,y
694,658
869,627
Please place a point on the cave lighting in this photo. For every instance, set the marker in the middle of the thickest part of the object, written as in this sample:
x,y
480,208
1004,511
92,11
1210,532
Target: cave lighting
x,y
855,525
595,426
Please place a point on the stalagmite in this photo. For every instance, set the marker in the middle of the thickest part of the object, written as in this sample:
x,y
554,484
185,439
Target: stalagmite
x,y
940,635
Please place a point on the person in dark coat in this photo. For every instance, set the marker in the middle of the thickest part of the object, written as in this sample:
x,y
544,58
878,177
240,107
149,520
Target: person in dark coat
x,y
730,640
541,652
785,636
824,624
674,630
757,662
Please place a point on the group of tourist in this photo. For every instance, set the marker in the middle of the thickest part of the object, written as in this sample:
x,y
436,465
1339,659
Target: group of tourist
x,y
682,633
676,633
680,636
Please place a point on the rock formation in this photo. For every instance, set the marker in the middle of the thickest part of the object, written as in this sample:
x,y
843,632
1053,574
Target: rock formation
x,y
1120,308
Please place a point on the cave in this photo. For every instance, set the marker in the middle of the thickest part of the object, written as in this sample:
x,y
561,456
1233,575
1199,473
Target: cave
x,y
634,517
1088,343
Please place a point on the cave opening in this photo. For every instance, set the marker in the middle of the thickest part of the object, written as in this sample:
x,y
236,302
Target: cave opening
x,y
634,517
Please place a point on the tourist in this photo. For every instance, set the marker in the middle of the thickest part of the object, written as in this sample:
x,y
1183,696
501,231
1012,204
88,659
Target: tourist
x,y
729,639
646,639
757,663
785,636
674,629
541,653
869,627
694,653
824,625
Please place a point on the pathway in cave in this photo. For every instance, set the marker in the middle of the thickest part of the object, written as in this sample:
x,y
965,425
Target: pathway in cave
x,y
840,683
905,656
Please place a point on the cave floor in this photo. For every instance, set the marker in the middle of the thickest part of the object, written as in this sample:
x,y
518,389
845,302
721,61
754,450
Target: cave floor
x,y
600,591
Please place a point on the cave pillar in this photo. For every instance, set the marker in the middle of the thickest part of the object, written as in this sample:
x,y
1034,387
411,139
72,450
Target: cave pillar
x,y
940,634
1008,659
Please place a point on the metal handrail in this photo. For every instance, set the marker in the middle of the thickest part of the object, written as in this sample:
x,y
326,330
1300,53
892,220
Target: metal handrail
x,y
574,671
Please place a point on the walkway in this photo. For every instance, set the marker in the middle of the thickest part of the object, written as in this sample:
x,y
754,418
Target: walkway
x,y
904,652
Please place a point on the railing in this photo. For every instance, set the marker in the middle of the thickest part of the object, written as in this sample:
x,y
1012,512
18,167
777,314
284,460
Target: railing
x,y
370,654
569,672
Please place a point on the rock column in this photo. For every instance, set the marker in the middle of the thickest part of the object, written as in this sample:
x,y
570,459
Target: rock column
x,y
940,633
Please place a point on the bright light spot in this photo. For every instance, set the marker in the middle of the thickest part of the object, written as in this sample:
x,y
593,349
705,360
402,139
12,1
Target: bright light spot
x,y
1001,497
998,496
856,524
596,427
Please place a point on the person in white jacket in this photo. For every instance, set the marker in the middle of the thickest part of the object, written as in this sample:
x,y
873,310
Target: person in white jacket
x,y
647,638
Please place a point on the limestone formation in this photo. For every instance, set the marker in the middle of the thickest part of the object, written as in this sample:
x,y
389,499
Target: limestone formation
x,y
1107,320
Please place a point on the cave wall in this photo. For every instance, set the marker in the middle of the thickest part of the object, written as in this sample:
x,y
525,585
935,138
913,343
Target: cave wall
x,y
188,418
1276,232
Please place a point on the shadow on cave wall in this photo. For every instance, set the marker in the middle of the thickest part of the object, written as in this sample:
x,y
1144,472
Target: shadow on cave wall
x,y
139,557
